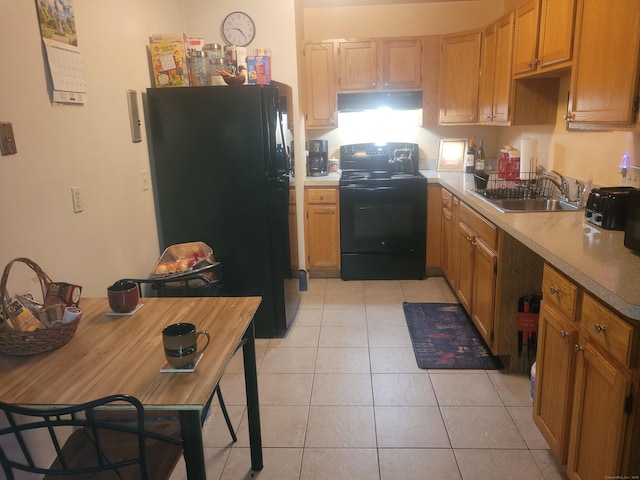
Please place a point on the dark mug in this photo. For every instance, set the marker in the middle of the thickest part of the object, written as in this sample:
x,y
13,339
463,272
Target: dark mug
x,y
180,342
123,296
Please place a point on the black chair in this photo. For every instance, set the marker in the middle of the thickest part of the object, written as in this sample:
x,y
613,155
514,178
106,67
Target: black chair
x,y
108,440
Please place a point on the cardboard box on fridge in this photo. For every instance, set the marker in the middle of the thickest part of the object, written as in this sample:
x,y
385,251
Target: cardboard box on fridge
x,y
169,60
259,69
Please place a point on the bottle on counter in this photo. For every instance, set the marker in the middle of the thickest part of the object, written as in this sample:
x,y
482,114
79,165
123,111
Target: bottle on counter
x,y
480,157
470,159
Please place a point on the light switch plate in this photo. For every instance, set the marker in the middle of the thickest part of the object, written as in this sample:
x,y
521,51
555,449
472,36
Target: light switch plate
x,y
7,140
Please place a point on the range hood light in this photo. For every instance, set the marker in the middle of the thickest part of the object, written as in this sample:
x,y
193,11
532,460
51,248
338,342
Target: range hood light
x,y
360,102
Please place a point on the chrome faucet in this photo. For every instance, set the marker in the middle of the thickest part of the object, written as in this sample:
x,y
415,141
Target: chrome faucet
x,y
557,180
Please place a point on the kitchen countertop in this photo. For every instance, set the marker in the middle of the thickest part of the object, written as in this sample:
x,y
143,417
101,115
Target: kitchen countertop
x,y
330,180
593,257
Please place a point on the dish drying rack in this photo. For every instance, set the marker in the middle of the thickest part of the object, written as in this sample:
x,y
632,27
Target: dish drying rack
x,y
527,185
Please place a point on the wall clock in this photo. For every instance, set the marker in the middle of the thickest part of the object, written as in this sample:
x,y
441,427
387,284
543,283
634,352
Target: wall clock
x,y
238,29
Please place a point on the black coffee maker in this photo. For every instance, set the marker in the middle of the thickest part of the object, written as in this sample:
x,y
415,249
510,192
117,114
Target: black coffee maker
x,y
317,158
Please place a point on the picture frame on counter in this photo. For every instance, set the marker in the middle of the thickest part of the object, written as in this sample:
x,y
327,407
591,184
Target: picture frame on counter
x,y
451,154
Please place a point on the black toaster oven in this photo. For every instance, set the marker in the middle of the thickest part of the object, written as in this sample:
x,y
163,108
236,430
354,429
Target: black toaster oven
x,y
632,230
607,207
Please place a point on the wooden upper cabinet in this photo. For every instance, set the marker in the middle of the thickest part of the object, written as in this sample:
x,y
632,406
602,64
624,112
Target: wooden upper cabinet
x,y
495,78
459,78
543,36
320,85
401,64
385,64
525,43
555,40
487,73
604,78
358,65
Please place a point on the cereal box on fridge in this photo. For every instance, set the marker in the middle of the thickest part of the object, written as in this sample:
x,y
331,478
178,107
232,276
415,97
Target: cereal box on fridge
x,y
168,56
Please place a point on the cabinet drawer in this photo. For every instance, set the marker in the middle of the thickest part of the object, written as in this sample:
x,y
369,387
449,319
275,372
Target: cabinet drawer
x,y
481,227
322,195
447,199
604,327
559,291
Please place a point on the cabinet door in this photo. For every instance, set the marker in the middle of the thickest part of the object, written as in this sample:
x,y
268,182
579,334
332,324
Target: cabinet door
x,y
401,64
466,256
434,224
320,85
487,73
598,425
323,236
502,80
459,78
556,32
293,239
555,368
358,65
484,291
605,69
446,244
525,41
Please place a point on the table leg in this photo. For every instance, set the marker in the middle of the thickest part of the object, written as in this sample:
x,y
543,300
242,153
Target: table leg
x,y
253,409
191,431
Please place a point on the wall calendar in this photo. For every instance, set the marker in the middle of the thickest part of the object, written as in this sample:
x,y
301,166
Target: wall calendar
x,y
58,30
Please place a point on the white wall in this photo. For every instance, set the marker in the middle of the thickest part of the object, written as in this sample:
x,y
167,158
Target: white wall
x,y
90,147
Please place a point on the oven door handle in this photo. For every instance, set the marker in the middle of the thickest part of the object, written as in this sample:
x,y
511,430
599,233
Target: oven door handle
x,y
367,189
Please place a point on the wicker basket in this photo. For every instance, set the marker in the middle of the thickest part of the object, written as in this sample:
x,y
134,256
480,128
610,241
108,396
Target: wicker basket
x,y
16,342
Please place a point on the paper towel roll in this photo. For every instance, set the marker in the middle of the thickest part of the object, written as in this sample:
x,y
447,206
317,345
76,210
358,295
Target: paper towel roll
x,y
528,157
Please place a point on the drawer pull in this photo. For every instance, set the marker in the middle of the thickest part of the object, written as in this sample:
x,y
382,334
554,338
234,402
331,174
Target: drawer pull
x,y
554,290
578,348
600,328
564,334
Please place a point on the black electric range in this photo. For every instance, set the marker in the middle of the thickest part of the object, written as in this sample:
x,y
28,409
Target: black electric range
x,y
383,211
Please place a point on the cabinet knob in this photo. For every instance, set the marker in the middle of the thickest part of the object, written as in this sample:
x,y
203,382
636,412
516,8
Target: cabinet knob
x,y
374,84
530,64
564,334
600,328
472,118
570,116
554,291
578,348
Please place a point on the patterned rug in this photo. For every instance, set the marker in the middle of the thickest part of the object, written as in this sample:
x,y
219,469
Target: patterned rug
x,y
443,336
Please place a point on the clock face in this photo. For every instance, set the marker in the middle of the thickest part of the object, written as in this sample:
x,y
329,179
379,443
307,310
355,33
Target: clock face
x,y
238,29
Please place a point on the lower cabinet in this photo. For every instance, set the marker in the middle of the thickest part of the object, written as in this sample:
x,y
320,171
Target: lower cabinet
x,y
586,380
322,231
477,272
293,232
552,403
489,271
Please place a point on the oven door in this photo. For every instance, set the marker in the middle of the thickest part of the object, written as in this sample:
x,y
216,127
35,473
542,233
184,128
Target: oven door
x,y
383,219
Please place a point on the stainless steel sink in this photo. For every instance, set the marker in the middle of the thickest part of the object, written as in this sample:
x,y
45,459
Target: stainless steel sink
x,y
522,205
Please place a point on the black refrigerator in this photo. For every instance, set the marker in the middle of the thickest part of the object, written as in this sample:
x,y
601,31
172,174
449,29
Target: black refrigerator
x,y
220,169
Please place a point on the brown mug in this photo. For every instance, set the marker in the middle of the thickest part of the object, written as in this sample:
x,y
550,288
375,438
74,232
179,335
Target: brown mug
x,y
123,296
180,342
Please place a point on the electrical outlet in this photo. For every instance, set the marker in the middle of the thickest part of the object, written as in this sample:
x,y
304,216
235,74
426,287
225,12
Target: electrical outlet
x,y
144,180
76,197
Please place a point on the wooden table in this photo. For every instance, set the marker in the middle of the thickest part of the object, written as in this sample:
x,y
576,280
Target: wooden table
x,y
124,354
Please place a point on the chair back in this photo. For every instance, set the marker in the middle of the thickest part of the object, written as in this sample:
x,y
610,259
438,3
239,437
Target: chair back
x,y
81,438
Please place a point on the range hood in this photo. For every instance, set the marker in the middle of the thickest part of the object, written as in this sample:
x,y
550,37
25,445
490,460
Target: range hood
x,y
357,102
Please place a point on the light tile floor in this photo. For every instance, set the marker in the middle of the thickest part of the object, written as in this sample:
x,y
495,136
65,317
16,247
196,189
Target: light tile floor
x,y
342,398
